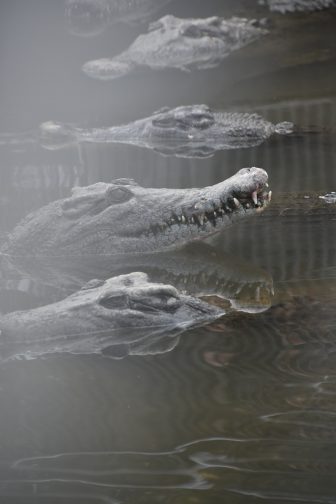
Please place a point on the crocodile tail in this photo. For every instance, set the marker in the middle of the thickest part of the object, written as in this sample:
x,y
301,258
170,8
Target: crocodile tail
x,y
284,128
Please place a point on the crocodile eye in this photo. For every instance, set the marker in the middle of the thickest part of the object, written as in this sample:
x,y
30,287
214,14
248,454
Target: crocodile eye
x,y
117,302
119,195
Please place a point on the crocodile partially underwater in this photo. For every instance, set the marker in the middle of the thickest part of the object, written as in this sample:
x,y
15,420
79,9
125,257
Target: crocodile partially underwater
x,y
127,314
122,217
91,17
186,131
117,220
285,6
183,44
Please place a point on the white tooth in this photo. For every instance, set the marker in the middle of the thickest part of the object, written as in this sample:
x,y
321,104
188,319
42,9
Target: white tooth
x,y
183,219
266,185
255,197
236,202
215,214
192,220
179,218
201,219
205,218
270,196
247,205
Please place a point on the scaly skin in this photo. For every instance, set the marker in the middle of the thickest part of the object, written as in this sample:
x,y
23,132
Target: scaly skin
x,y
125,218
179,43
186,131
127,310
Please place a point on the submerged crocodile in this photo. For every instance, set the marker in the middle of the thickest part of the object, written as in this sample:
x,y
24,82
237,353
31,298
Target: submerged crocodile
x,y
284,6
127,313
91,17
183,44
124,315
186,131
124,218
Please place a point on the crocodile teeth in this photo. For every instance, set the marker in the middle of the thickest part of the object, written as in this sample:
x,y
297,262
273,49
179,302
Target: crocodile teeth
x,y
270,196
255,197
183,219
201,219
236,202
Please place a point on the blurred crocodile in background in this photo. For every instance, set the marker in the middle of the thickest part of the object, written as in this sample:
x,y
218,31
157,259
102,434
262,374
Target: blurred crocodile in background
x,y
91,17
188,131
183,44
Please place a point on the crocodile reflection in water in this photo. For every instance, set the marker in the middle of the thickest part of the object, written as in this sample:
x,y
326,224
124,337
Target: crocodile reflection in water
x,y
90,17
183,44
299,322
186,131
126,312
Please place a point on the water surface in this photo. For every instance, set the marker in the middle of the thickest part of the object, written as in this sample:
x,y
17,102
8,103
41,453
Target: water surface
x,y
243,410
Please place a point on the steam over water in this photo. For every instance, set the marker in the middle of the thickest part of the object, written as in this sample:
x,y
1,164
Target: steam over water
x,y
239,411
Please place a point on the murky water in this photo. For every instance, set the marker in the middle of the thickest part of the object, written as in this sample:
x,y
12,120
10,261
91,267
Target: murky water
x,y
242,410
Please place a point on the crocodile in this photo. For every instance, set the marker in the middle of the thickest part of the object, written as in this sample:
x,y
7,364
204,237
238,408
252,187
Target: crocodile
x,y
127,311
91,17
184,44
187,131
284,6
122,217
197,269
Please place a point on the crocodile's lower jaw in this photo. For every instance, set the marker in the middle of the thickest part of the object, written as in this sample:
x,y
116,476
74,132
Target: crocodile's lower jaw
x,y
233,208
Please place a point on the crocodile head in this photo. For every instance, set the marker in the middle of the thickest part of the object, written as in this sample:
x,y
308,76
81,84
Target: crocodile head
x,y
122,217
115,313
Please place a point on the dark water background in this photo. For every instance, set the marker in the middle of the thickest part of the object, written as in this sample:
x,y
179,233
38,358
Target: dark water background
x,y
241,411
